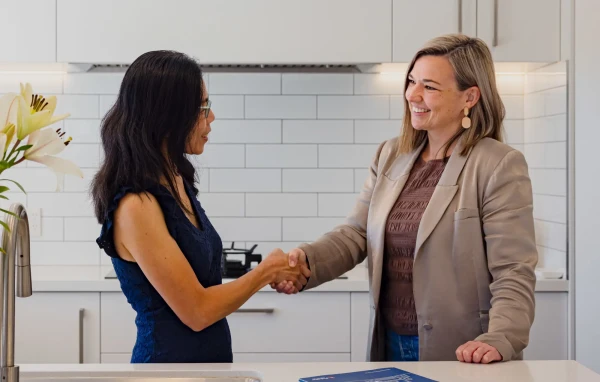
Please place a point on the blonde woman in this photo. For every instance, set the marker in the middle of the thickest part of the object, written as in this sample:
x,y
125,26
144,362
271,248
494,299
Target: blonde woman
x,y
444,220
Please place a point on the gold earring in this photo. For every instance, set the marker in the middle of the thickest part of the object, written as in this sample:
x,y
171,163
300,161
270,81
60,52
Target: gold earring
x,y
466,121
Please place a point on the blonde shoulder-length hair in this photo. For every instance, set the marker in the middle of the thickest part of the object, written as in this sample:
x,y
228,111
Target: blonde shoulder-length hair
x,y
472,63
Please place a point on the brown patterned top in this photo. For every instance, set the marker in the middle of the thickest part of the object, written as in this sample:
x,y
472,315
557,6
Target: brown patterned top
x,y
397,301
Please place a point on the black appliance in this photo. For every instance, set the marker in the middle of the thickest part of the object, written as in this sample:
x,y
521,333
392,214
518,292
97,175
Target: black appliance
x,y
233,268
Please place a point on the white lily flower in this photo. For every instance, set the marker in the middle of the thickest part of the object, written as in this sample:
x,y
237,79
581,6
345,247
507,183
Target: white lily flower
x,y
46,143
35,112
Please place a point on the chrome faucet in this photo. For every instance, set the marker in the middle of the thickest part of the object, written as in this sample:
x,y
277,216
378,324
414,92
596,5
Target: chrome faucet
x,y
16,245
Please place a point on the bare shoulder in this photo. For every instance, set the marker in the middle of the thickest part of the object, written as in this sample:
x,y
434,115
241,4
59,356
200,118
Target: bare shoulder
x,y
138,207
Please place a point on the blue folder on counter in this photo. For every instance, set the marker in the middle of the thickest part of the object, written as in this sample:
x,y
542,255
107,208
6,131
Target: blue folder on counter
x,y
388,374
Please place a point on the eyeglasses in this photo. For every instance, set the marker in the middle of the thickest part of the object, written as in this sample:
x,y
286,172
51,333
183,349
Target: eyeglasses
x,y
206,108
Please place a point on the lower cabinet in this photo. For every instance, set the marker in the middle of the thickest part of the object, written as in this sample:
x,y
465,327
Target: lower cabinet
x,y
57,328
548,339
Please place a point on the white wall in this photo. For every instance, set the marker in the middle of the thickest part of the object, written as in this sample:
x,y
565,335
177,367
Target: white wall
x,y
287,156
587,182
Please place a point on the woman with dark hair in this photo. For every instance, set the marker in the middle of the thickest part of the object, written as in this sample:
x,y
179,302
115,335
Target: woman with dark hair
x,y
165,252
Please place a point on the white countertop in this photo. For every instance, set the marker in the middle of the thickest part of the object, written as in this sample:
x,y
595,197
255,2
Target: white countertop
x,y
522,371
91,278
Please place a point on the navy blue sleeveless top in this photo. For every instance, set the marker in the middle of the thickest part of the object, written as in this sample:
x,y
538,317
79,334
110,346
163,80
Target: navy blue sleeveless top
x,y
161,336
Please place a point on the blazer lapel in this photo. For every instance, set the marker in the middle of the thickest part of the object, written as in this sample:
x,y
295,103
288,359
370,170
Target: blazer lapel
x,y
442,196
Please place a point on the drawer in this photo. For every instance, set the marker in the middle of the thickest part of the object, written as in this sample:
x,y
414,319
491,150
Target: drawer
x,y
312,322
315,322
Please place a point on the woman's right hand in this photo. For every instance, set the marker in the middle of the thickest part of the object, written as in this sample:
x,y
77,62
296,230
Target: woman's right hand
x,y
277,266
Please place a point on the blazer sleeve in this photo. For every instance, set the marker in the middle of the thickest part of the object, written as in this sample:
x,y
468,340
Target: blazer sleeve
x,y
507,215
340,250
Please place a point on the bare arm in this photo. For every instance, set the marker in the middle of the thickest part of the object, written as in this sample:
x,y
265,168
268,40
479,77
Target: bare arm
x,y
142,232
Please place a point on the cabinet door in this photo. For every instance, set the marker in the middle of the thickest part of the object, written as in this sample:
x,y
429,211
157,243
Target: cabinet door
x,y
57,328
359,318
290,357
28,31
416,22
518,30
226,31
548,339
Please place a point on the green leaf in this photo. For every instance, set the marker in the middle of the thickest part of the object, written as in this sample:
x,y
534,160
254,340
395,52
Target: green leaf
x,y
8,212
23,148
3,224
2,250
18,185
3,197
4,189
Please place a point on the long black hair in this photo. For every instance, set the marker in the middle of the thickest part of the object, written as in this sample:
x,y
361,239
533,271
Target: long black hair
x,y
145,133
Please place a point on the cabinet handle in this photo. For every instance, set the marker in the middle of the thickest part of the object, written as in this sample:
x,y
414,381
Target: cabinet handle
x,y
460,6
495,39
81,315
264,310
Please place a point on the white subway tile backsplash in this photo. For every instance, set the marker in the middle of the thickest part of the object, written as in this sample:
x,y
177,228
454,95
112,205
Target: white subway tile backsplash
x,y
45,84
52,230
308,229
92,83
318,180
228,106
514,106
551,235
376,131
281,156
78,106
534,105
84,155
245,180
354,107
221,156
64,253
222,204
287,204
551,258
318,131
556,101
244,83
316,83
510,84
550,208
83,130
81,229
546,155
281,107
549,181
346,156
397,107
514,130
32,179
61,204
378,84
546,129
245,131
76,184
265,247
248,229
360,177
336,205
106,102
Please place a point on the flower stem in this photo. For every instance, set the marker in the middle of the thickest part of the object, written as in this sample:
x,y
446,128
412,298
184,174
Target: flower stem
x,y
13,150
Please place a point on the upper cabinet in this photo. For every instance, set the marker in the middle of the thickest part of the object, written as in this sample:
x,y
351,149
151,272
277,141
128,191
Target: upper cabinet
x,y
226,31
28,31
514,30
416,22
518,30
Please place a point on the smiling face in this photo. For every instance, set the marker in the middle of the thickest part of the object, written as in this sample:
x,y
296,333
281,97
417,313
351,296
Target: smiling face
x,y
435,102
199,135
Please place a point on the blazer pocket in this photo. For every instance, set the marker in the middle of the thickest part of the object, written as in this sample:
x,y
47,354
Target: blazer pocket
x,y
466,213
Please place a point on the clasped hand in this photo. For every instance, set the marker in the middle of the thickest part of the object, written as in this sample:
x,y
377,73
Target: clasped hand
x,y
289,271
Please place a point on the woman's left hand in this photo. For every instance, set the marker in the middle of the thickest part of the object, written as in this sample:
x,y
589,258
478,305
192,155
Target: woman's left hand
x,y
477,352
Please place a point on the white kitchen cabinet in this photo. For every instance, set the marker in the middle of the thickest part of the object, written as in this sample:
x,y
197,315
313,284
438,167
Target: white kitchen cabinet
x,y
226,31
28,31
416,22
547,341
267,323
517,30
57,328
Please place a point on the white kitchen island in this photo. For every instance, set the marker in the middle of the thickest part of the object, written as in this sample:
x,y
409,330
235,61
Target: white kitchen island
x,y
515,371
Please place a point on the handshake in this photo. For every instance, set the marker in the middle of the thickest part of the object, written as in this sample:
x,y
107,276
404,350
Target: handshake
x,y
288,272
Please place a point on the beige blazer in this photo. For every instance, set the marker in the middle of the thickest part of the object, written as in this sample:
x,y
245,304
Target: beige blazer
x,y
473,274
